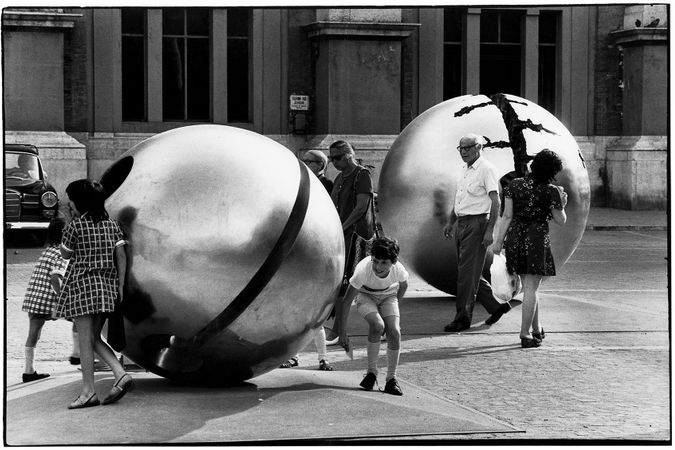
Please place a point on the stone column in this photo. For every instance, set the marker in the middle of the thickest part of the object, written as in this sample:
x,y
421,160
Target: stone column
x,y
637,162
358,70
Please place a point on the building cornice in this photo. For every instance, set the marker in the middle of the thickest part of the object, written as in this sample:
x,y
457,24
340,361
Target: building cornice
x,y
635,36
40,19
374,30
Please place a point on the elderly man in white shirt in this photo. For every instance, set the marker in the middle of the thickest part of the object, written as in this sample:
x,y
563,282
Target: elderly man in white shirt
x,y
470,224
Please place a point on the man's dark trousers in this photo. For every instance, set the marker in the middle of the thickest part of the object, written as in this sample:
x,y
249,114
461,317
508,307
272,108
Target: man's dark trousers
x,y
471,285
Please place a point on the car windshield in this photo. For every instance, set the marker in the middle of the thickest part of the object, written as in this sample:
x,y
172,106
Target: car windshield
x,y
21,168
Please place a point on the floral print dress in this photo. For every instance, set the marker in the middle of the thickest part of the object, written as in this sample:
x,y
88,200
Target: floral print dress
x,y
527,243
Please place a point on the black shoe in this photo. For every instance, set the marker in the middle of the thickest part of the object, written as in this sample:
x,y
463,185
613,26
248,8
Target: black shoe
x,y
27,377
454,327
503,309
293,362
368,381
529,343
539,336
392,387
74,360
323,365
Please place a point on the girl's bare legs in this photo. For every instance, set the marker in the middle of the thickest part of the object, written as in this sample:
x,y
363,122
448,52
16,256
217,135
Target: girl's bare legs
x,y
530,304
103,349
85,327
34,331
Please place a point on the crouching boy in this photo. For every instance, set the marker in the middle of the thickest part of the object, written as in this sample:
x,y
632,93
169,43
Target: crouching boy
x,y
378,284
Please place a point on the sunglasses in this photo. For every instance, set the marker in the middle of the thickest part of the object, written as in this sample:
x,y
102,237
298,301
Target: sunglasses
x,y
308,161
466,147
336,157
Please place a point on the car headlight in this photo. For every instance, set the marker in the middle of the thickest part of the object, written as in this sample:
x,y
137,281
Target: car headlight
x,y
49,199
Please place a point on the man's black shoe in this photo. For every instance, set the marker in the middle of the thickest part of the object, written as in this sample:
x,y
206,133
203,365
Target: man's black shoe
x,y
503,309
456,326
27,377
368,381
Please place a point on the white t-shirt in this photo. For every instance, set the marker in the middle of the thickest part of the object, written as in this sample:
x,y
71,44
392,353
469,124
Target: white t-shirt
x,y
472,190
365,280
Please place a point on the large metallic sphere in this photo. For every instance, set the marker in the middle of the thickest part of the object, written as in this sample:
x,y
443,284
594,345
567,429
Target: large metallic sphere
x,y
422,169
236,253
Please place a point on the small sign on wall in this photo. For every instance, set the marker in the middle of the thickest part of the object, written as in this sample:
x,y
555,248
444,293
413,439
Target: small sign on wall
x,y
299,102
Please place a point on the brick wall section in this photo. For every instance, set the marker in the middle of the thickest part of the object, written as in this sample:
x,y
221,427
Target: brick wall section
x,y
608,93
300,52
75,74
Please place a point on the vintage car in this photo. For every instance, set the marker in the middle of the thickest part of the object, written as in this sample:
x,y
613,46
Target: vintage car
x,y
30,201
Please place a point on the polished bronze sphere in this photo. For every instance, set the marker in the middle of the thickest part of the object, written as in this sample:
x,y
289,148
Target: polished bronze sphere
x,y
236,253
423,167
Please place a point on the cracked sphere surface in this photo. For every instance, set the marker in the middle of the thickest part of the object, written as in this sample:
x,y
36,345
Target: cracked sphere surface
x,y
421,171
235,254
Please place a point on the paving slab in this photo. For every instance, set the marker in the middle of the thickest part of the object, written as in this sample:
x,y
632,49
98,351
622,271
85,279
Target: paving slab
x,y
603,373
282,405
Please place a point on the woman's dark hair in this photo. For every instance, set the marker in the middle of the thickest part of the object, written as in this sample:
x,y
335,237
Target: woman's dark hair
x,y
385,248
55,230
545,166
88,197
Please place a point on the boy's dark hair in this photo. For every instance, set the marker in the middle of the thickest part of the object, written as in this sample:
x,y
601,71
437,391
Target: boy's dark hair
x,y
545,166
385,248
88,197
55,230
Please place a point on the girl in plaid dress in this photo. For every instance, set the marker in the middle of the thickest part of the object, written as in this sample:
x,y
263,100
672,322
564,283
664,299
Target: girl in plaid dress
x,y
94,244
43,287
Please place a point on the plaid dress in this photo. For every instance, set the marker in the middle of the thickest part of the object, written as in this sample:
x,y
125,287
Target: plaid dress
x,y
91,282
40,297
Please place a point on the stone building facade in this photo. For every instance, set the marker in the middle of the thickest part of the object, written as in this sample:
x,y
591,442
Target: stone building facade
x,y
86,84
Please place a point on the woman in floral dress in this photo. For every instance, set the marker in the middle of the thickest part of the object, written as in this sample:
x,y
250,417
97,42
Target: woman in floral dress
x,y
529,203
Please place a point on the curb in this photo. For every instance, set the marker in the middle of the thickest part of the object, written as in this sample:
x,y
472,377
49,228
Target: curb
x,y
627,227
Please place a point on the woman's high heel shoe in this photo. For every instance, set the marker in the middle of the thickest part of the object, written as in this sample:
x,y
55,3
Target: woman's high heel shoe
x,y
539,336
529,343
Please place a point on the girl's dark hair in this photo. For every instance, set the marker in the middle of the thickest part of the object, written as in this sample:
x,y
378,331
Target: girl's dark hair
x,y
385,248
55,230
545,166
88,197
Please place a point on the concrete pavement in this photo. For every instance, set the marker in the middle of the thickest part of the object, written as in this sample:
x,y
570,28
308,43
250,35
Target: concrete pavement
x,y
602,374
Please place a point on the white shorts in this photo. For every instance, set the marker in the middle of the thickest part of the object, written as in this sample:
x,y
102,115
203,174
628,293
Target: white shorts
x,y
385,306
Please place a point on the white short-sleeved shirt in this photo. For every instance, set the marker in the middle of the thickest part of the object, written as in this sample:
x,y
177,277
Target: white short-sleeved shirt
x,y
478,181
364,279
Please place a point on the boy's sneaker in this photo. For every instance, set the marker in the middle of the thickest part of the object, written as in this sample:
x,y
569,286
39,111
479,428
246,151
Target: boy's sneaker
x,y
392,387
368,381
